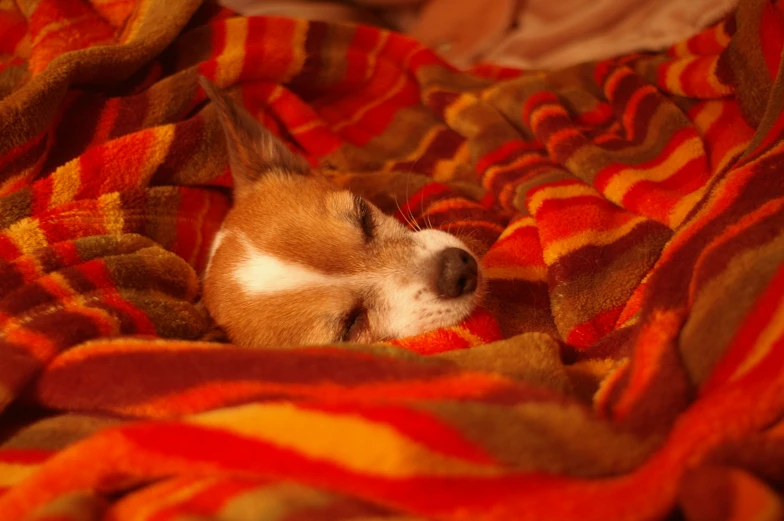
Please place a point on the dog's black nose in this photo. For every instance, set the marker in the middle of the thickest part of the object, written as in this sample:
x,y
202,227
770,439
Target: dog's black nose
x,y
457,273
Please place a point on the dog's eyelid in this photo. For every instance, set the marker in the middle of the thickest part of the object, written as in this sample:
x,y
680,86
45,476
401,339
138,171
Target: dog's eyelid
x,y
352,320
365,218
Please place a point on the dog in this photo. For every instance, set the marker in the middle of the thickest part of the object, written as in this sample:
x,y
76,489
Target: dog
x,y
300,261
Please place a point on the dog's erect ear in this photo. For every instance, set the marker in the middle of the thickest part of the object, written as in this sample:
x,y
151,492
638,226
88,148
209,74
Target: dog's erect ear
x,y
253,150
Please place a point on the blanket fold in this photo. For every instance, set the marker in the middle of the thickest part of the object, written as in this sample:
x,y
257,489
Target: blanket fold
x,y
626,364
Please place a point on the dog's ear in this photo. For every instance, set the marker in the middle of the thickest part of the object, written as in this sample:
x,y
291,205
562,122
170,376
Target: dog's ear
x,y
253,150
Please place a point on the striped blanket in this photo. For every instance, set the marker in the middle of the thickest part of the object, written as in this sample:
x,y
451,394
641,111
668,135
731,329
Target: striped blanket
x,y
627,364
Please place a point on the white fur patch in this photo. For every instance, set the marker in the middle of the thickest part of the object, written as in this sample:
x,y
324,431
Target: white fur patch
x,y
259,273
433,241
405,305
216,241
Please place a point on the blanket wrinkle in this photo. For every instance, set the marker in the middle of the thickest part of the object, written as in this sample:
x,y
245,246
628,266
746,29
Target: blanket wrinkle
x,y
625,364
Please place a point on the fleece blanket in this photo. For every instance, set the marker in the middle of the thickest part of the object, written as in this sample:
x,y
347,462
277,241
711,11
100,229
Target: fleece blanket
x,y
628,362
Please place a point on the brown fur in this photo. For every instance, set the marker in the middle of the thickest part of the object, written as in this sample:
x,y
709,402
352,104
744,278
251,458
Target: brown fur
x,y
283,211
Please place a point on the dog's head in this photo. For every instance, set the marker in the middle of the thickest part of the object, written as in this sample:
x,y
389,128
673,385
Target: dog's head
x,y
300,261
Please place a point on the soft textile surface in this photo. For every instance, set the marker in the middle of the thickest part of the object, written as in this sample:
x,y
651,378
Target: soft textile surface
x,y
627,363
526,34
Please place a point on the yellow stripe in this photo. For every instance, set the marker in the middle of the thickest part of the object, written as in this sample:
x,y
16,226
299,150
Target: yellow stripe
x,y
229,71
424,142
682,208
13,473
529,273
713,79
111,208
687,202
722,36
347,441
359,114
559,248
138,20
453,110
674,74
708,114
298,44
526,159
518,224
26,235
66,181
549,193
156,154
468,336
444,170
733,152
462,157
624,179
305,127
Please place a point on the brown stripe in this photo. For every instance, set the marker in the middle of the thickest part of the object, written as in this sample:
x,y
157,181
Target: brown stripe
x,y
15,207
49,260
762,232
504,176
555,437
64,328
25,299
150,270
641,247
127,326
25,160
746,64
669,283
615,345
723,302
77,280
161,373
17,366
10,278
400,139
613,271
75,128
306,82
440,101
520,306
171,318
444,146
34,431
131,114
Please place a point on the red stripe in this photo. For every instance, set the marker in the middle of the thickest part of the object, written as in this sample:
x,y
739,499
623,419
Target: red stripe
x,y
8,250
747,336
771,38
41,192
25,456
657,198
604,177
68,253
588,333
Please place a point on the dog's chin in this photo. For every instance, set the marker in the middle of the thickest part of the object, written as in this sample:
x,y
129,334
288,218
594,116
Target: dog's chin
x,y
448,313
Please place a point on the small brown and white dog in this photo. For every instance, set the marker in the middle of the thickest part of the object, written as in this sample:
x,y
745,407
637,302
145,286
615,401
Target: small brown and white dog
x,y
300,261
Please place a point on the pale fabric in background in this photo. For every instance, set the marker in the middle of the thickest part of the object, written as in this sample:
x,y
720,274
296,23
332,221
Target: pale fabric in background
x,y
565,32
527,34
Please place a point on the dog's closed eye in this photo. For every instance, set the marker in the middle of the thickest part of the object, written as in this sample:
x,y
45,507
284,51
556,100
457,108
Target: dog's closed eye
x,y
365,218
353,324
